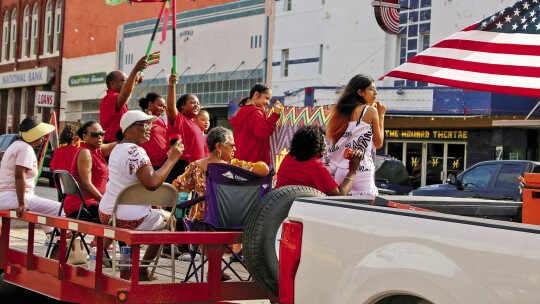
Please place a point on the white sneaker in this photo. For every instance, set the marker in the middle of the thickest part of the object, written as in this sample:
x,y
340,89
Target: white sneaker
x,y
186,257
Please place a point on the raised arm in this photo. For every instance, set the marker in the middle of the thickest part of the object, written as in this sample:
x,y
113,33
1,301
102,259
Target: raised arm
x,y
133,80
262,127
374,118
172,112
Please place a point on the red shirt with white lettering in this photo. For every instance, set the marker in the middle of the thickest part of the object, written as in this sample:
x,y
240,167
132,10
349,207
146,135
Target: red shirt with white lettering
x,y
108,117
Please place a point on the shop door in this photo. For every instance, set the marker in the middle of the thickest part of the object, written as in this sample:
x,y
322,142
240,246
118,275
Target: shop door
x,y
413,162
435,164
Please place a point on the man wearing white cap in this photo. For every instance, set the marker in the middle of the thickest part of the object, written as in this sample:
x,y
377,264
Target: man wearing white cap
x,y
18,172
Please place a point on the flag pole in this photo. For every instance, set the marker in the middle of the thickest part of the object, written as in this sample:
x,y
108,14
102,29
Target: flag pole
x,y
161,13
52,121
173,7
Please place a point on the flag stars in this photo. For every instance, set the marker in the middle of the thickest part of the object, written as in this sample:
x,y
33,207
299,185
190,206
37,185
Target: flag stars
x,y
492,18
514,26
526,5
538,26
516,12
484,24
525,26
508,19
533,19
523,20
499,25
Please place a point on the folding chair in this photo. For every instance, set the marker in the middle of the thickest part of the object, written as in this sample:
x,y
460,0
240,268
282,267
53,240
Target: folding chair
x,y
231,192
66,184
137,194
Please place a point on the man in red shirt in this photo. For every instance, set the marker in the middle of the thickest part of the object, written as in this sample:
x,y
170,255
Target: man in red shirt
x,y
113,105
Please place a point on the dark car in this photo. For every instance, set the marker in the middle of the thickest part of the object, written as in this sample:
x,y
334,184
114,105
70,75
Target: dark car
x,y
391,176
5,141
496,179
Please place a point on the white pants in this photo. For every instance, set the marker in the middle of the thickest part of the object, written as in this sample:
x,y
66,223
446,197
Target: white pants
x,y
8,200
156,220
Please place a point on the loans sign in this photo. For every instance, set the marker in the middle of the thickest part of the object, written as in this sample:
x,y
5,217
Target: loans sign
x,y
44,99
87,79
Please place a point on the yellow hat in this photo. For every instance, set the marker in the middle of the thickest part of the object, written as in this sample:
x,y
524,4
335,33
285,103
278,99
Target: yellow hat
x,y
33,130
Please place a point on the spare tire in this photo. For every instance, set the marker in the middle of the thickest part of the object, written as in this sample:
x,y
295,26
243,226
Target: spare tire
x,y
260,233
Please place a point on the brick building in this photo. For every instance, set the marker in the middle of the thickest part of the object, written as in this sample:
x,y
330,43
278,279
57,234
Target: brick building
x,y
37,38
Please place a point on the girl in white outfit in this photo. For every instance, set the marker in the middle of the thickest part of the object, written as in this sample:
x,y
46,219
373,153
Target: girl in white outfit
x,y
353,124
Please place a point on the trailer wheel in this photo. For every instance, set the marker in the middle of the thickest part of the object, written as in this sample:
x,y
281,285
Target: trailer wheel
x,y
261,232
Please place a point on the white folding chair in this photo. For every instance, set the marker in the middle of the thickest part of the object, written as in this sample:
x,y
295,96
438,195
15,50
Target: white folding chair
x,y
136,194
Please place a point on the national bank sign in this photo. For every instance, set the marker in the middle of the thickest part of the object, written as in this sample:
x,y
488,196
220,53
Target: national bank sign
x,y
25,78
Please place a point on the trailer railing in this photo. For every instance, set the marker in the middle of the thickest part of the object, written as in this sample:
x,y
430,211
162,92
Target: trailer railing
x,y
72,283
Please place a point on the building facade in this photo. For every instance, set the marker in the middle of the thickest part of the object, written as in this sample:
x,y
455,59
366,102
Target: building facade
x,y
434,130
220,54
54,53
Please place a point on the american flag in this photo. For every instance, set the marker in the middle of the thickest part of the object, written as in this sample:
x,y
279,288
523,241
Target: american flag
x,y
499,54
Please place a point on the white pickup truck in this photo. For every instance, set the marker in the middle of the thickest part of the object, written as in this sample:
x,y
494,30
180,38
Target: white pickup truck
x,y
345,250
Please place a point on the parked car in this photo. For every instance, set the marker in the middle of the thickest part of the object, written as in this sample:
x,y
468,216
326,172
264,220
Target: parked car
x,y
5,141
391,176
496,179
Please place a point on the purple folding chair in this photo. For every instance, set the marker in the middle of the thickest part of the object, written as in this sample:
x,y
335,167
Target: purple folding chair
x,y
231,192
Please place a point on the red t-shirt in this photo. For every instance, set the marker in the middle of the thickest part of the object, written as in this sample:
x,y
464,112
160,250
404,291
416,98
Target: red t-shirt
x,y
100,176
252,131
63,158
311,173
158,145
108,117
191,135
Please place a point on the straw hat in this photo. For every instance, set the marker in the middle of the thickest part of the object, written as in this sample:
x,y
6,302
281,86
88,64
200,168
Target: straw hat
x,y
33,130
131,117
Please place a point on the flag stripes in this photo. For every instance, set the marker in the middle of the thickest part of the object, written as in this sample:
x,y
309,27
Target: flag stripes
x,y
499,54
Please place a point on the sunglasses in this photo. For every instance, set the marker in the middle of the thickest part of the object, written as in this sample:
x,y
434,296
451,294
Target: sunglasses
x,y
96,134
146,125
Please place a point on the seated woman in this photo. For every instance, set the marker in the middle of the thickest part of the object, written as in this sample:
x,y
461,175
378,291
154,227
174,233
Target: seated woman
x,y
220,142
303,165
90,170
221,145
129,163
18,172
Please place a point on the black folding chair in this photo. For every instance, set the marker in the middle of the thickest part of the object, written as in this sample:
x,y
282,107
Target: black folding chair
x,y
66,184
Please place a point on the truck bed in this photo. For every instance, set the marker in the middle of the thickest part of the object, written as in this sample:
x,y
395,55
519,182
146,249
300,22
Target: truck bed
x,y
490,209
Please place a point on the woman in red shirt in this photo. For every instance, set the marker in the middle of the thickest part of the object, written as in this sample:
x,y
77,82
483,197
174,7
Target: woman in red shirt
x,y
90,170
69,142
158,145
183,126
303,165
252,127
